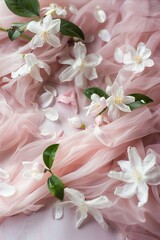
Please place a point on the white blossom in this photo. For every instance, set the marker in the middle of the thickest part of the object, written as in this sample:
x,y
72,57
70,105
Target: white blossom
x,y
117,101
55,10
45,31
98,104
135,60
82,67
33,170
83,207
32,66
137,174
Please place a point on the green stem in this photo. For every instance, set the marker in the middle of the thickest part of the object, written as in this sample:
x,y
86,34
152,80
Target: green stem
x,y
48,170
3,29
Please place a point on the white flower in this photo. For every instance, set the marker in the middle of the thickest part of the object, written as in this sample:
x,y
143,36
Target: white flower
x,y
55,10
135,60
76,122
117,101
82,67
97,105
45,31
6,190
84,207
32,66
33,170
137,173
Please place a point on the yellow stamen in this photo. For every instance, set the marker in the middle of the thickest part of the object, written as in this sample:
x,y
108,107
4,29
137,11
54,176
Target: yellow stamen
x,y
118,100
45,35
138,59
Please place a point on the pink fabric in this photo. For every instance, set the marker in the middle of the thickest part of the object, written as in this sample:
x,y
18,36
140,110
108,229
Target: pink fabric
x,y
85,156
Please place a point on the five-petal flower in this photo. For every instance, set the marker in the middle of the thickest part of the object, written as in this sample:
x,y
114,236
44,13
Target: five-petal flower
x,y
45,31
98,104
137,174
82,67
117,101
135,60
32,66
84,207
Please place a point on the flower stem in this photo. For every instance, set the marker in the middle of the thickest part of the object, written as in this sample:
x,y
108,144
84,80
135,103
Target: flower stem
x,y
3,29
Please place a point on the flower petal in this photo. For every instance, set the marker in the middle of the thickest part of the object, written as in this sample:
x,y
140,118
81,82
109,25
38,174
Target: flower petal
x,y
51,114
36,41
123,107
74,195
81,215
80,80
100,202
34,27
93,60
54,41
36,74
128,99
98,217
104,35
149,162
45,100
148,63
68,74
79,50
134,158
127,191
6,190
142,193
118,55
99,14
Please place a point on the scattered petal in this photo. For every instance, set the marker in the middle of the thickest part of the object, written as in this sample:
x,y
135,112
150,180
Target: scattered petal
x,y
51,114
104,35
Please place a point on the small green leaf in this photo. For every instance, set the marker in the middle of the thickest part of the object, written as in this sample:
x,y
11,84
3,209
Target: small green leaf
x,y
24,8
89,91
70,29
140,100
49,155
56,187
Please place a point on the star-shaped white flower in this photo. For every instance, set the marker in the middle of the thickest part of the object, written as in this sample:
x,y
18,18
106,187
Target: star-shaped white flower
x,y
135,60
98,104
32,66
55,10
137,174
6,190
33,170
82,67
84,207
45,31
117,101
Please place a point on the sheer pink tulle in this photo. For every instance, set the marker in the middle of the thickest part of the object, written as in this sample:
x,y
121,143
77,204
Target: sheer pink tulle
x,y
85,156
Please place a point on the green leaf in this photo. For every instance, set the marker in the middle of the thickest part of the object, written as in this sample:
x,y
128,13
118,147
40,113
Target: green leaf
x,y
16,30
140,100
24,8
89,91
49,155
56,187
70,29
